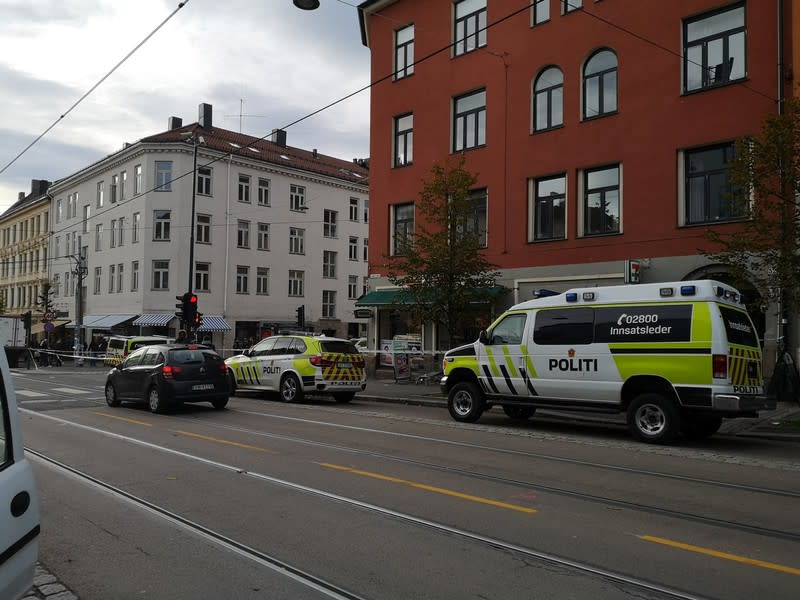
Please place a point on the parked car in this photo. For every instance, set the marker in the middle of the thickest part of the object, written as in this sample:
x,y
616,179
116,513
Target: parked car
x,y
360,343
294,365
165,375
120,346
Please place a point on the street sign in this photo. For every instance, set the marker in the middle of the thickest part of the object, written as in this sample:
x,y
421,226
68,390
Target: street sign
x,y
48,327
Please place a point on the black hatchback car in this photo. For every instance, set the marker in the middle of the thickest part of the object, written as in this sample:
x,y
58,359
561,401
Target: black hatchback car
x,y
166,375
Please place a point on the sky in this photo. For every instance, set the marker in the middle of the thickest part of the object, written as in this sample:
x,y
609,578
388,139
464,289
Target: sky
x,y
264,59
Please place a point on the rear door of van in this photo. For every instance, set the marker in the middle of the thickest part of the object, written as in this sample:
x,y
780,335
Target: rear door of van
x,y
19,500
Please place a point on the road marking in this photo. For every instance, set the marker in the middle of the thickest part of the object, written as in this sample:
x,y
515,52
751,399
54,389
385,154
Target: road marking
x,y
430,488
48,401
126,419
227,442
71,390
30,393
726,555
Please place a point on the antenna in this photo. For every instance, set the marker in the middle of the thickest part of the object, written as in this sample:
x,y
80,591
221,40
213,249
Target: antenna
x,y
241,114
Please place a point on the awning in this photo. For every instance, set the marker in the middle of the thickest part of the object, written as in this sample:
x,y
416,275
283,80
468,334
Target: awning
x,y
39,327
104,321
214,323
154,319
400,296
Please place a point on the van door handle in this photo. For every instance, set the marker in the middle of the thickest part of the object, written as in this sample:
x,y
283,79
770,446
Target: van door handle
x,y
20,503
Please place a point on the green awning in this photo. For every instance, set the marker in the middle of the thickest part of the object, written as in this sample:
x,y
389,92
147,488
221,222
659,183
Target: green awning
x,y
396,297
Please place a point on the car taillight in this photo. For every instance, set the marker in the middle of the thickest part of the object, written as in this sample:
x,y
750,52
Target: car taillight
x,y
318,361
224,368
720,365
169,370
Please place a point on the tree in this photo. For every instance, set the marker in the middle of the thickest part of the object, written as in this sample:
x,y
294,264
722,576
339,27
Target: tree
x,y
45,300
764,174
441,264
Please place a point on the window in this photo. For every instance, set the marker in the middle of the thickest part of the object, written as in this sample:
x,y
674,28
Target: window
x,y
135,276
112,271
714,48
263,191
120,231
470,26
403,140
160,274
549,197
709,196
86,215
120,277
201,276
328,304
353,248
297,197
242,274
262,281
541,11
204,181
98,237
564,326
297,240
600,85
163,175
58,214
263,236
329,223
135,228
67,280
548,99
469,121
402,227
329,264
123,180
352,287
296,279
366,249
98,275
161,221
473,221
112,191
244,188
243,234
112,239
567,6
354,209
203,226
137,180
404,52
100,193
366,210
509,330
601,201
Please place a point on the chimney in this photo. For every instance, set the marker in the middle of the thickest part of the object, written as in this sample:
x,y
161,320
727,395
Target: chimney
x,y
174,123
21,196
314,153
278,136
204,115
39,187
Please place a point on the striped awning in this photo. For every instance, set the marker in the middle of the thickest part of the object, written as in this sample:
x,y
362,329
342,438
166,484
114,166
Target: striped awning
x,y
214,323
102,321
154,319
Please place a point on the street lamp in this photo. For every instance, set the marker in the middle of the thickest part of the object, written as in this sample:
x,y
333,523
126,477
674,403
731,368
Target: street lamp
x,y
196,141
307,4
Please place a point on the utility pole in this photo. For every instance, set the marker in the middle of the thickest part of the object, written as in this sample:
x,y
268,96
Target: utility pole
x,y
80,273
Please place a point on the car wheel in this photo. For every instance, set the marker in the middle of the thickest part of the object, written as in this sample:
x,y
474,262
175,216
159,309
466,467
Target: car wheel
x,y
344,397
653,418
232,383
700,428
519,413
155,401
466,402
291,390
219,403
111,395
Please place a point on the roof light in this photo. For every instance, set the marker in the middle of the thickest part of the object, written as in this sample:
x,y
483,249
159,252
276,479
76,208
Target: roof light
x,y
572,297
718,291
588,295
543,293
666,292
688,290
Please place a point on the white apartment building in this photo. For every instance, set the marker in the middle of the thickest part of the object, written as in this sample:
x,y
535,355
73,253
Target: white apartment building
x,y
276,228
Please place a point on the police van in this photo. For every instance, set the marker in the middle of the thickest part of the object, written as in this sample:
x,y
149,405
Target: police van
x,y
675,357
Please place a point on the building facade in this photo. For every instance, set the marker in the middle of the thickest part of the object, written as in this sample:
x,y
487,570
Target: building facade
x,y
599,130
276,228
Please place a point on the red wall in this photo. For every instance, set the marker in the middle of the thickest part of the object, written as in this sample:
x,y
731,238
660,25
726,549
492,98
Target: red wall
x,y
654,121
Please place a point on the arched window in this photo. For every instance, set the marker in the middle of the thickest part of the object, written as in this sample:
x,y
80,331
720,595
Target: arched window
x,y
548,99
600,85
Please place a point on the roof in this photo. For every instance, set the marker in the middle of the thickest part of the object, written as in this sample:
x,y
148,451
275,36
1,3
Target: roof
x,y
253,148
370,6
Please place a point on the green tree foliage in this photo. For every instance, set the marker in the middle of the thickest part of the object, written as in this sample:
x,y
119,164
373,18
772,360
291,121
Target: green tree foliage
x,y
45,300
765,175
441,265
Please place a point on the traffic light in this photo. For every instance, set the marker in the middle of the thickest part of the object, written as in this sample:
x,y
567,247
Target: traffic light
x,y
301,316
26,320
191,308
197,320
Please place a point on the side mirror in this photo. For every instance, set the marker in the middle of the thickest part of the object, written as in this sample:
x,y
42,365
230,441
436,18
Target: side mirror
x,y
248,352
483,337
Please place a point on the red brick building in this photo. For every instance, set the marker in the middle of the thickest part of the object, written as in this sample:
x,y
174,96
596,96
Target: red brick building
x,y
599,129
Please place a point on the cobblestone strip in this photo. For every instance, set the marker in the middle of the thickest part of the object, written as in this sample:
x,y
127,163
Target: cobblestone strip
x,y
47,587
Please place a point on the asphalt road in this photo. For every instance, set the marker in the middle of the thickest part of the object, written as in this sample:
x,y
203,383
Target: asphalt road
x,y
380,500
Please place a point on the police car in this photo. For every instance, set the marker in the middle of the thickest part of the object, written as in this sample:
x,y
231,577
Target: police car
x,y
294,365
674,357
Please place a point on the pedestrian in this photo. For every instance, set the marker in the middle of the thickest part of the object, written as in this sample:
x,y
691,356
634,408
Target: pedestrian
x,y
181,339
43,358
94,350
207,342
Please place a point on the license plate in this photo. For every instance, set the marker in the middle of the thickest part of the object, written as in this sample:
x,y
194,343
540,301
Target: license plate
x,y
344,365
203,386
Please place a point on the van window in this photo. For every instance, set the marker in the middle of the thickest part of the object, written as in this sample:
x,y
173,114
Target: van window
x,y
564,326
509,330
116,344
739,327
643,323
336,346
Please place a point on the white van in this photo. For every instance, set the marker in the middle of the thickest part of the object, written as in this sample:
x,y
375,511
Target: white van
x,y
675,357
19,499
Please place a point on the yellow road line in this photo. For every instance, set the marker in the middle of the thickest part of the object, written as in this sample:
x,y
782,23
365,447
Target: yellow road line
x,y
226,442
430,488
134,421
727,556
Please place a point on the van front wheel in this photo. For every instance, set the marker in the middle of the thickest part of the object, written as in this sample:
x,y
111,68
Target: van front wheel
x,y
653,418
466,402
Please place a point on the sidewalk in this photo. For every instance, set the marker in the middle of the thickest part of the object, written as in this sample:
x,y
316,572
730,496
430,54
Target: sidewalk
x,y
783,423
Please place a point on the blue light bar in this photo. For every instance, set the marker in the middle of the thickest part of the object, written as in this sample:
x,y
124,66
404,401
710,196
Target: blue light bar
x,y
688,290
543,293
572,297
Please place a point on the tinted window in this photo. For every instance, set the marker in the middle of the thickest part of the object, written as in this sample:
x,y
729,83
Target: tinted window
x,y
644,323
564,326
182,357
298,346
338,346
115,344
263,347
281,346
133,359
152,357
509,330
739,327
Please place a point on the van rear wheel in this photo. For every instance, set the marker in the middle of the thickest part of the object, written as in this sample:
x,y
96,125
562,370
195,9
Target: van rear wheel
x,y
653,418
466,402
